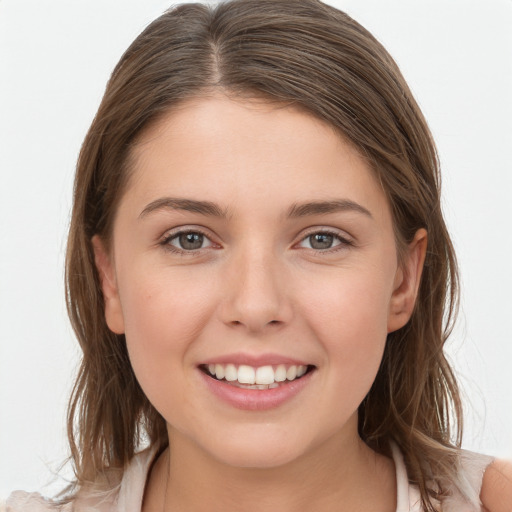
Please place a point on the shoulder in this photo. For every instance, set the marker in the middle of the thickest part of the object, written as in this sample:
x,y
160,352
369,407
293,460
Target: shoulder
x,y
20,501
115,490
95,497
496,493
98,496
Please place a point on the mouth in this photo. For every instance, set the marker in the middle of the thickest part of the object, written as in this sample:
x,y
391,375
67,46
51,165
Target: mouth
x,y
256,378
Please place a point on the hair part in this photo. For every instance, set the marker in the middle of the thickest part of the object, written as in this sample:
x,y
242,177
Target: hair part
x,y
312,57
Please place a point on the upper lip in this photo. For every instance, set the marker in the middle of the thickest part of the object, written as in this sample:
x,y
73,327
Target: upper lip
x,y
254,360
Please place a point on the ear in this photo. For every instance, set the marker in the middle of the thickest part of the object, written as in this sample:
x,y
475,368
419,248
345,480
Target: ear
x,y
106,271
407,282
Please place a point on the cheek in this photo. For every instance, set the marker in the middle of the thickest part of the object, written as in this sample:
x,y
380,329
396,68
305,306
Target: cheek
x,y
353,308
349,318
163,307
164,313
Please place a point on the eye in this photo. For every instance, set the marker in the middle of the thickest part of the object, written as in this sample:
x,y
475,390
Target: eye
x,y
323,240
186,241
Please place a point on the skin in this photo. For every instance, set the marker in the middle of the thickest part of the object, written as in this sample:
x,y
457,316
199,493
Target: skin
x,y
496,494
256,286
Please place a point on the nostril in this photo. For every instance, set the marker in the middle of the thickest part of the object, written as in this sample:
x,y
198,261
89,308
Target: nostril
x,y
256,326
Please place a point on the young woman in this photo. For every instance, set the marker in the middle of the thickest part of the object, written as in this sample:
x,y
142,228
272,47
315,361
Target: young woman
x,y
261,280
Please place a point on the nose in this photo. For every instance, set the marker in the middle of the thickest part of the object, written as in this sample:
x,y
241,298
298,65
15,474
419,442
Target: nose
x,y
255,290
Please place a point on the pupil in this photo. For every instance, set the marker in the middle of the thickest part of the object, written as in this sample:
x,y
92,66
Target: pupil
x,y
191,241
321,241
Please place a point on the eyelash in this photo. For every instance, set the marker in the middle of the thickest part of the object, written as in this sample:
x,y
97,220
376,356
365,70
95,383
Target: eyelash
x,y
344,242
182,252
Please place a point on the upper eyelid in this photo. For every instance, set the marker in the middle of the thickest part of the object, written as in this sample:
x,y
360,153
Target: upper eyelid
x,y
171,233
343,235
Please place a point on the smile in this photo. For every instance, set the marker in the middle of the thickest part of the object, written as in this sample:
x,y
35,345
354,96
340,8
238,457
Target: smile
x,y
254,388
261,377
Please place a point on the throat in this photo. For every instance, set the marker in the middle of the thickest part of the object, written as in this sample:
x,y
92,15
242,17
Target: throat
x,y
365,483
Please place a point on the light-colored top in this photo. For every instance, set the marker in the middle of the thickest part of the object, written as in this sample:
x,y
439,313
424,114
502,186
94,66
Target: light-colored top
x,y
126,493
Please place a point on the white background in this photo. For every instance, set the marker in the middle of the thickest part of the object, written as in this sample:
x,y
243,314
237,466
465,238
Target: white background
x,y
55,58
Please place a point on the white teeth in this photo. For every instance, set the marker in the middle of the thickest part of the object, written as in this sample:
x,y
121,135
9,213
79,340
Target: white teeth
x,y
263,377
280,373
301,370
291,373
246,374
256,386
219,371
231,373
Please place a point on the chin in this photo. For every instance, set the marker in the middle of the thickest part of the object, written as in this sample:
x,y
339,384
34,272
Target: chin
x,y
256,452
258,458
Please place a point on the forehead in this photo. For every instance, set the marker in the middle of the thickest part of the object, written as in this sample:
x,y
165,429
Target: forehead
x,y
233,151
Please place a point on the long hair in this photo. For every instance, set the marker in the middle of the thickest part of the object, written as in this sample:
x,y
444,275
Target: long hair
x,y
316,58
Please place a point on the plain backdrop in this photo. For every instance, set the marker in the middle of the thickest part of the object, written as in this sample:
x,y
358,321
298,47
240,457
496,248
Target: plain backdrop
x,y
55,58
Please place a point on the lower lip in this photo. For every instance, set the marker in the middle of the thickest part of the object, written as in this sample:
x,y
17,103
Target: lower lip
x,y
256,399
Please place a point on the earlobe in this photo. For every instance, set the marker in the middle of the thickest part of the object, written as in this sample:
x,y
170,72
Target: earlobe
x,y
106,271
407,282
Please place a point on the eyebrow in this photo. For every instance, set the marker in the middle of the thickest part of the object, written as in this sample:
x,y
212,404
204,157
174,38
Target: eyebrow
x,y
324,207
296,210
191,205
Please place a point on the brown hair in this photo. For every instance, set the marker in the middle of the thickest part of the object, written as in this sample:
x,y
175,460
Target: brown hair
x,y
314,57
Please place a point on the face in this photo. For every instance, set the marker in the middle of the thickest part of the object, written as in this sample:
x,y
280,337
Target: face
x,y
254,273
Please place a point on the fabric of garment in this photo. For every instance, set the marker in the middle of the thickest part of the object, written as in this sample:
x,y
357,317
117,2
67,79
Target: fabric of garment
x,y
124,491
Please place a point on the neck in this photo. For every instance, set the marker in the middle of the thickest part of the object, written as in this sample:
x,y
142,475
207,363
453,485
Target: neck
x,y
342,474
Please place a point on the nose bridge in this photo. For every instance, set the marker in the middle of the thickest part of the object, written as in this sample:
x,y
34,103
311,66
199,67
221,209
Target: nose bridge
x,y
256,294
